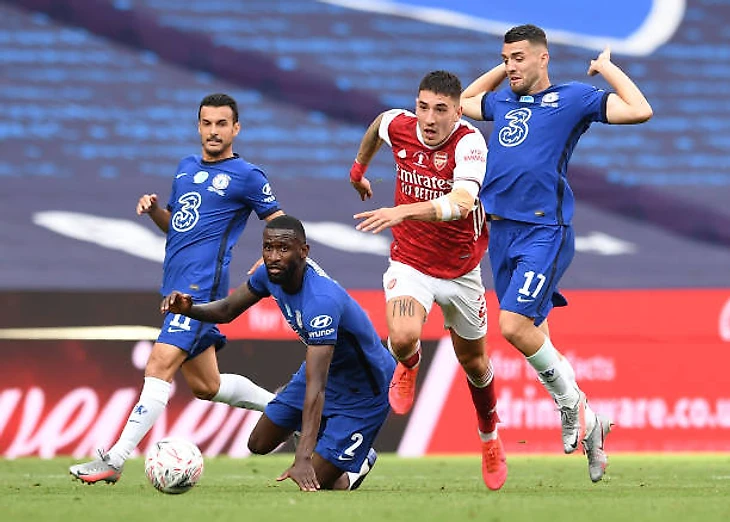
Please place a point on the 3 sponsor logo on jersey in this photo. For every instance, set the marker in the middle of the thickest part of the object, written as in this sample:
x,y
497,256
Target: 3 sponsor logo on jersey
x,y
516,129
187,215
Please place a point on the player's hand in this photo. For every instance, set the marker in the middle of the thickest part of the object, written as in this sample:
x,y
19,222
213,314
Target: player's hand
x,y
598,63
146,204
303,474
258,263
363,188
176,303
378,220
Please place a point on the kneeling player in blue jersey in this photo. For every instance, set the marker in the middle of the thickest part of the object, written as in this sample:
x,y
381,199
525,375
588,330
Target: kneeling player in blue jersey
x,y
338,398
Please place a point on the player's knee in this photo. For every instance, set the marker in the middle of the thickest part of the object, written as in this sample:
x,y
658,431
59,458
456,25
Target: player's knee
x,y
204,391
258,445
511,330
403,343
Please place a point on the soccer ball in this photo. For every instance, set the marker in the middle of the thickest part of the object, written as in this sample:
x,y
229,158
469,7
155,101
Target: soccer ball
x,y
173,465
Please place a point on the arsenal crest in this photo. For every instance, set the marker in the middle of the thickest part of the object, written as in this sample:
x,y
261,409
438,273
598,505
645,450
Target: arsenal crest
x,y
440,159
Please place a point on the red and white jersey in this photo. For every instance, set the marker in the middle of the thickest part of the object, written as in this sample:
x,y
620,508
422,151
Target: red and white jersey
x,y
443,249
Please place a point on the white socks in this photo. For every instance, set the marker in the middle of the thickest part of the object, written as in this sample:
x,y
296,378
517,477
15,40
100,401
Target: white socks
x,y
151,404
241,392
235,390
553,372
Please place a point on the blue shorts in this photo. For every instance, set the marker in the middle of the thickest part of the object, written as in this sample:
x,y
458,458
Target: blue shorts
x,y
345,436
190,335
528,261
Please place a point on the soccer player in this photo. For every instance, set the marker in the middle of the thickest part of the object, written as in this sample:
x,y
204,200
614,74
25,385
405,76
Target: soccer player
x,y
212,197
338,397
527,194
439,238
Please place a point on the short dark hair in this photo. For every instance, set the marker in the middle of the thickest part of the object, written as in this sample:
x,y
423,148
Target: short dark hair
x,y
441,82
529,32
220,100
287,222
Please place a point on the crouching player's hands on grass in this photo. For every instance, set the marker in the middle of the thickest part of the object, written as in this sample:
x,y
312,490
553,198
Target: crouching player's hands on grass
x,y
302,472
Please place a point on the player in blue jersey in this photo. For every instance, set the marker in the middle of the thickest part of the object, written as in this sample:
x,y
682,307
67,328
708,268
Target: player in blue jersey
x,y
526,192
212,196
339,396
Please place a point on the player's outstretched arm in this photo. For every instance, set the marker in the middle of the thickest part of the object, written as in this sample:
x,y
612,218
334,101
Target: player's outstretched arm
x,y
317,368
628,104
471,97
147,204
220,311
453,206
369,145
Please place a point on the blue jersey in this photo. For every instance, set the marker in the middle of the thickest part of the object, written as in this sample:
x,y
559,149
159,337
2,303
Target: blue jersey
x,y
323,313
210,204
530,147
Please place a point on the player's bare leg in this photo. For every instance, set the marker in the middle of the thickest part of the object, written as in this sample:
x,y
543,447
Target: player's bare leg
x,y
405,318
266,436
472,356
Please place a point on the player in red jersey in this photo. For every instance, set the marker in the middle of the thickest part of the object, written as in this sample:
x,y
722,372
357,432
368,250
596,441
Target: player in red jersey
x,y
439,238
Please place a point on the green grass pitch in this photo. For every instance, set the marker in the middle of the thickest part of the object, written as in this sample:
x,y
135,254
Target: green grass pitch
x,y
643,488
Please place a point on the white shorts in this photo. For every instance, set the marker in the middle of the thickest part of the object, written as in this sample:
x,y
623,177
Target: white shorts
x,y
461,299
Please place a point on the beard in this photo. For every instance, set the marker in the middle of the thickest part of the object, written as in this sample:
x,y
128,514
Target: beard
x,y
282,277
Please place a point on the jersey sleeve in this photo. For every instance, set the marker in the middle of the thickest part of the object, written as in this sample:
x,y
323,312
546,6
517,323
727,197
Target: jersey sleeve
x,y
385,122
322,319
258,282
488,106
471,162
593,101
259,195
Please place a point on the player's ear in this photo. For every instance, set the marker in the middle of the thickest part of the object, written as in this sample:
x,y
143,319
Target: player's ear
x,y
305,251
236,128
544,59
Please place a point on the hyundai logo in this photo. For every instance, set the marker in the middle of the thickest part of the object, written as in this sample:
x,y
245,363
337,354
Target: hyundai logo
x,y
321,321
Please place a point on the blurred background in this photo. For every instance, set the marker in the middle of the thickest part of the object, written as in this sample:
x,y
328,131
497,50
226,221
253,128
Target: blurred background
x,y
100,100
